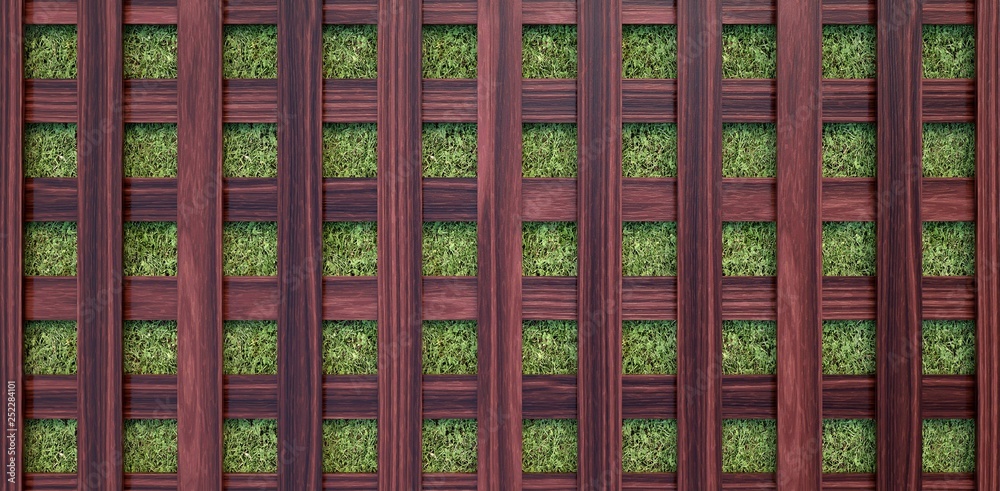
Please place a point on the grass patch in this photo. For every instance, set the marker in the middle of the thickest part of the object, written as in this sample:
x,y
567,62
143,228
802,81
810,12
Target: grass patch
x,y
749,249
749,51
849,150
250,249
250,348
50,249
949,347
149,51
250,150
250,51
149,249
848,51
250,445
350,51
849,445
150,150
849,347
649,445
49,150
349,248
49,348
949,249
649,347
50,51
149,445
449,149
450,347
949,51
549,249
649,150
350,347
548,150
548,348
749,150
949,150
949,445
649,248
549,445
848,248
49,445
749,445
449,51
649,51
749,347
549,51
149,347
449,249
350,445
449,445
350,150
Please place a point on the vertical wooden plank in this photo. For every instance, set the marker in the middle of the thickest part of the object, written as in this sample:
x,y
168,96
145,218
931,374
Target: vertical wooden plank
x,y
99,244
599,121
988,244
300,244
499,229
899,127
199,244
800,258
11,293
399,245
699,244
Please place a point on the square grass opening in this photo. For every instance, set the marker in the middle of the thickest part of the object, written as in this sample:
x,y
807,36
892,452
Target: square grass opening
x,y
949,347
350,347
150,150
649,150
749,150
350,51
549,51
449,249
949,248
749,347
549,445
449,51
49,446
849,150
548,150
149,51
848,51
949,150
649,445
49,249
849,445
549,248
350,150
349,248
449,445
149,445
49,348
250,348
749,445
149,249
450,347
649,249
549,347
149,347
50,51
250,150
649,51
749,249
949,51
49,150
749,51
848,248
449,150
250,446
649,347
250,51
350,445
250,249
949,445
849,347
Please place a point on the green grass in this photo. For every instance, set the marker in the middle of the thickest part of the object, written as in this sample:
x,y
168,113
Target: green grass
x,y
649,445
50,445
849,347
848,248
250,347
50,347
50,51
949,248
150,150
949,51
749,150
149,51
849,150
350,445
349,248
649,51
449,347
250,51
250,445
548,51
549,150
50,150
849,445
449,445
649,249
350,347
749,445
749,248
350,150
350,51
449,249
848,51
50,249
449,150
149,347
649,347
548,347
549,445
749,51
149,249
149,445
449,51
649,150
749,347
949,445
949,347
250,150
549,249
250,249
949,150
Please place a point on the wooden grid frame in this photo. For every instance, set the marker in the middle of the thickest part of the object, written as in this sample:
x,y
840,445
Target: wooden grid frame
x,y
699,100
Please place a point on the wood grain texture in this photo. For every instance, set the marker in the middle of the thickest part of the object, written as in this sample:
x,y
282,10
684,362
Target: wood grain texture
x,y
399,245
899,227
99,244
300,245
499,244
699,245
